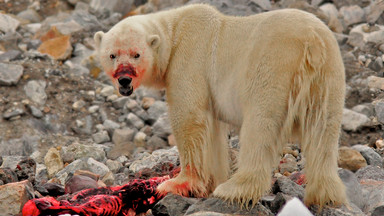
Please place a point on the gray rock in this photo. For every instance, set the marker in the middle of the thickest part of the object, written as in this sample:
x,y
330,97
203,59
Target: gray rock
x,y
35,111
155,143
12,113
353,187
97,167
30,15
101,137
374,195
263,4
101,6
133,120
10,74
123,135
23,146
378,211
161,156
77,151
377,64
162,128
111,126
140,139
379,109
289,187
107,91
70,169
288,164
351,210
329,10
80,53
372,157
41,173
114,166
35,90
370,172
77,105
352,14
8,24
121,149
173,204
358,37
10,56
120,102
341,38
77,69
156,110
220,206
367,109
87,20
353,121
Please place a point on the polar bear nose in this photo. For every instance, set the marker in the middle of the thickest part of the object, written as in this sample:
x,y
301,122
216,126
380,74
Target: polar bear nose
x,y
125,81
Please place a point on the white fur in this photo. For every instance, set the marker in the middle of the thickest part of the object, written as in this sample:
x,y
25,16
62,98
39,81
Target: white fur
x,y
276,75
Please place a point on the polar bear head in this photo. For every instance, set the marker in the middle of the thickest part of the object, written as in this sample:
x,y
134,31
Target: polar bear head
x,y
128,54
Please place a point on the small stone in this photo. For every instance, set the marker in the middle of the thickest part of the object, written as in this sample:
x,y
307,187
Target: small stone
x,y
58,48
353,121
114,166
101,137
352,14
288,164
35,90
68,27
112,97
158,159
79,182
156,110
120,102
289,187
12,113
173,204
155,143
379,144
147,102
8,24
162,127
93,109
13,196
101,6
26,170
35,111
7,175
350,159
77,151
53,162
123,135
108,179
377,64
107,91
370,172
379,109
71,168
366,109
30,15
378,211
133,120
358,37
171,140
78,105
132,106
373,191
10,55
90,174
10,74
140,139
375,82
353,187
110,125
372,157
97,167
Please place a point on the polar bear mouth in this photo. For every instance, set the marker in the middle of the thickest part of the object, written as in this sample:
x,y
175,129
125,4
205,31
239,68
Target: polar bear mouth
x,y
126,91
125,70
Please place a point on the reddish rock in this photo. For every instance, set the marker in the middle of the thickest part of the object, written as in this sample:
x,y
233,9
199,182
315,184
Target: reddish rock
x,y
351,159
59,48
78,183
13,196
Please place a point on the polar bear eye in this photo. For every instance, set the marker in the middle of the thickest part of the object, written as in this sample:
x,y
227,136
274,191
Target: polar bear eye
x,y
137,56
112,56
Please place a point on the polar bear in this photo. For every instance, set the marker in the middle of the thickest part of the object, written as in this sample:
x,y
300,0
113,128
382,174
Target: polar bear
x,y
277,76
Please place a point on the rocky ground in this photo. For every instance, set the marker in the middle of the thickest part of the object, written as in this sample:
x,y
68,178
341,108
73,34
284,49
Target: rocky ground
x,y
64,128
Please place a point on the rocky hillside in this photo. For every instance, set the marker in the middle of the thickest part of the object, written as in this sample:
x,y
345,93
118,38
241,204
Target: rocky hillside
x,y
61,119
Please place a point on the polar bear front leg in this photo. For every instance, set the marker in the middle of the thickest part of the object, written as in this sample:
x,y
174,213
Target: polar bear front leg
x,y
257,157
201,141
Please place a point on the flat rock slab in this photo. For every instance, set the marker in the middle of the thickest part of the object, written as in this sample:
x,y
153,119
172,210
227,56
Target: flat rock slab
x,y
13,196
10,74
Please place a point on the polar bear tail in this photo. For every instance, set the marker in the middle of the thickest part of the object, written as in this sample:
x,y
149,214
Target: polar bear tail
x,y
315,107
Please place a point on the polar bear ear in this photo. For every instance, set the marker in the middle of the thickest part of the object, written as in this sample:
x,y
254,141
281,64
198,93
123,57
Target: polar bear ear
x,y
98,37
154,41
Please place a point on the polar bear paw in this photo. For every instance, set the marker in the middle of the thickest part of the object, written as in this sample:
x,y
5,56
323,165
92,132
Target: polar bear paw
x,y
181,185
245,193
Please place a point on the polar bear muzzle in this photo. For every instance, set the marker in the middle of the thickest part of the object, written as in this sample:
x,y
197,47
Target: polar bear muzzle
x,y
125,87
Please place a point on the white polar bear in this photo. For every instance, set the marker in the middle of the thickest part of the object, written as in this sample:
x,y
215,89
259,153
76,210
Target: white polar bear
x,y
277,76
